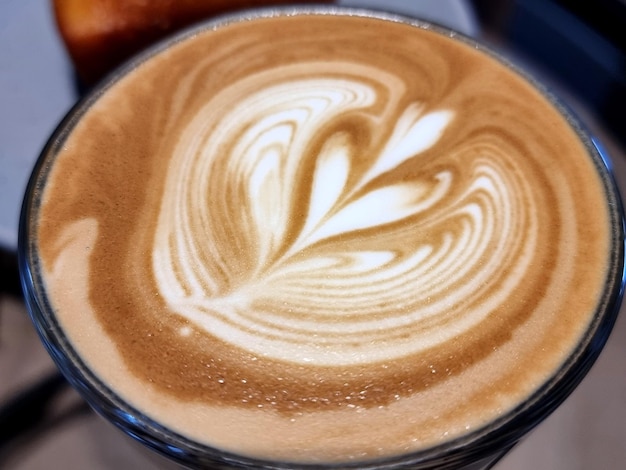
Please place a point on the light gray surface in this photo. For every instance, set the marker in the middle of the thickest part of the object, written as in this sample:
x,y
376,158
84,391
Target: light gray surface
x,y
36,90
455,14
587,433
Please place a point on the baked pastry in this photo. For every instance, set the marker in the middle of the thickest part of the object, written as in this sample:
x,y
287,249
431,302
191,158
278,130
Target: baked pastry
x,y
100,34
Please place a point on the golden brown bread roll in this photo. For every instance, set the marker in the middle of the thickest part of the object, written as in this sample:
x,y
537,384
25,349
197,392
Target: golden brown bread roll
x,y
100,34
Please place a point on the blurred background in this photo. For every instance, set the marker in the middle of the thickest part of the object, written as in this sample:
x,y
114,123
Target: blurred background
x,y
576,47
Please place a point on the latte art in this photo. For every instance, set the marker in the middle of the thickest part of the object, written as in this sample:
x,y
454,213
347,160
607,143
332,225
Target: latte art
x,y
335,264
361,234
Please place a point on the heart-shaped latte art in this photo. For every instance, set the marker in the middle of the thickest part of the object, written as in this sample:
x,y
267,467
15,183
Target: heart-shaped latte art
x,y
283,233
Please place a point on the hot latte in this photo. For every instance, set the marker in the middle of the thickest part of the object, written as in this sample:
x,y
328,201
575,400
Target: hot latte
x,y
322,238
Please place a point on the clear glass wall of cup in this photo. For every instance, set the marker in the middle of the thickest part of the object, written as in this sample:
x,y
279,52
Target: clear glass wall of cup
x,y
481,448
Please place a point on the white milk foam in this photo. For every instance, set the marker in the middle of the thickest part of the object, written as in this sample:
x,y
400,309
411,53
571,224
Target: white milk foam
x,y
314,298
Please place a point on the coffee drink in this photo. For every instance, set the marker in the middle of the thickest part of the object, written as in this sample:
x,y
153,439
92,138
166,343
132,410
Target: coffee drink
x,y
323,237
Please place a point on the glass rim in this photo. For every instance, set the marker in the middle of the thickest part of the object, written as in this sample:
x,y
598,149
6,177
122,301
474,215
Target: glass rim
x,y
500,433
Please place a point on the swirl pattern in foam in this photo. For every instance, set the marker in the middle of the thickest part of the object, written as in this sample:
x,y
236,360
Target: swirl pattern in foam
x,y
334,267
370,241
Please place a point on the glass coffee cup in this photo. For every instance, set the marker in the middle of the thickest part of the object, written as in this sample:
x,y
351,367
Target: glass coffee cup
x,y
322,237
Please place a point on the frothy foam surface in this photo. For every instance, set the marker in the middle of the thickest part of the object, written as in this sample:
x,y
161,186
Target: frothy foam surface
x,y
363,234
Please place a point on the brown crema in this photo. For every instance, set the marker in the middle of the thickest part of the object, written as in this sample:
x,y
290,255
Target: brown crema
x,y
505,237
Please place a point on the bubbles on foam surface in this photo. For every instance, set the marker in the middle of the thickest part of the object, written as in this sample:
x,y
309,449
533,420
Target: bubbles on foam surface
x,y
281,233
449,305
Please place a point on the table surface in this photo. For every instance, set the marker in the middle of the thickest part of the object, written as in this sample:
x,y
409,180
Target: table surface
x,y
37,89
